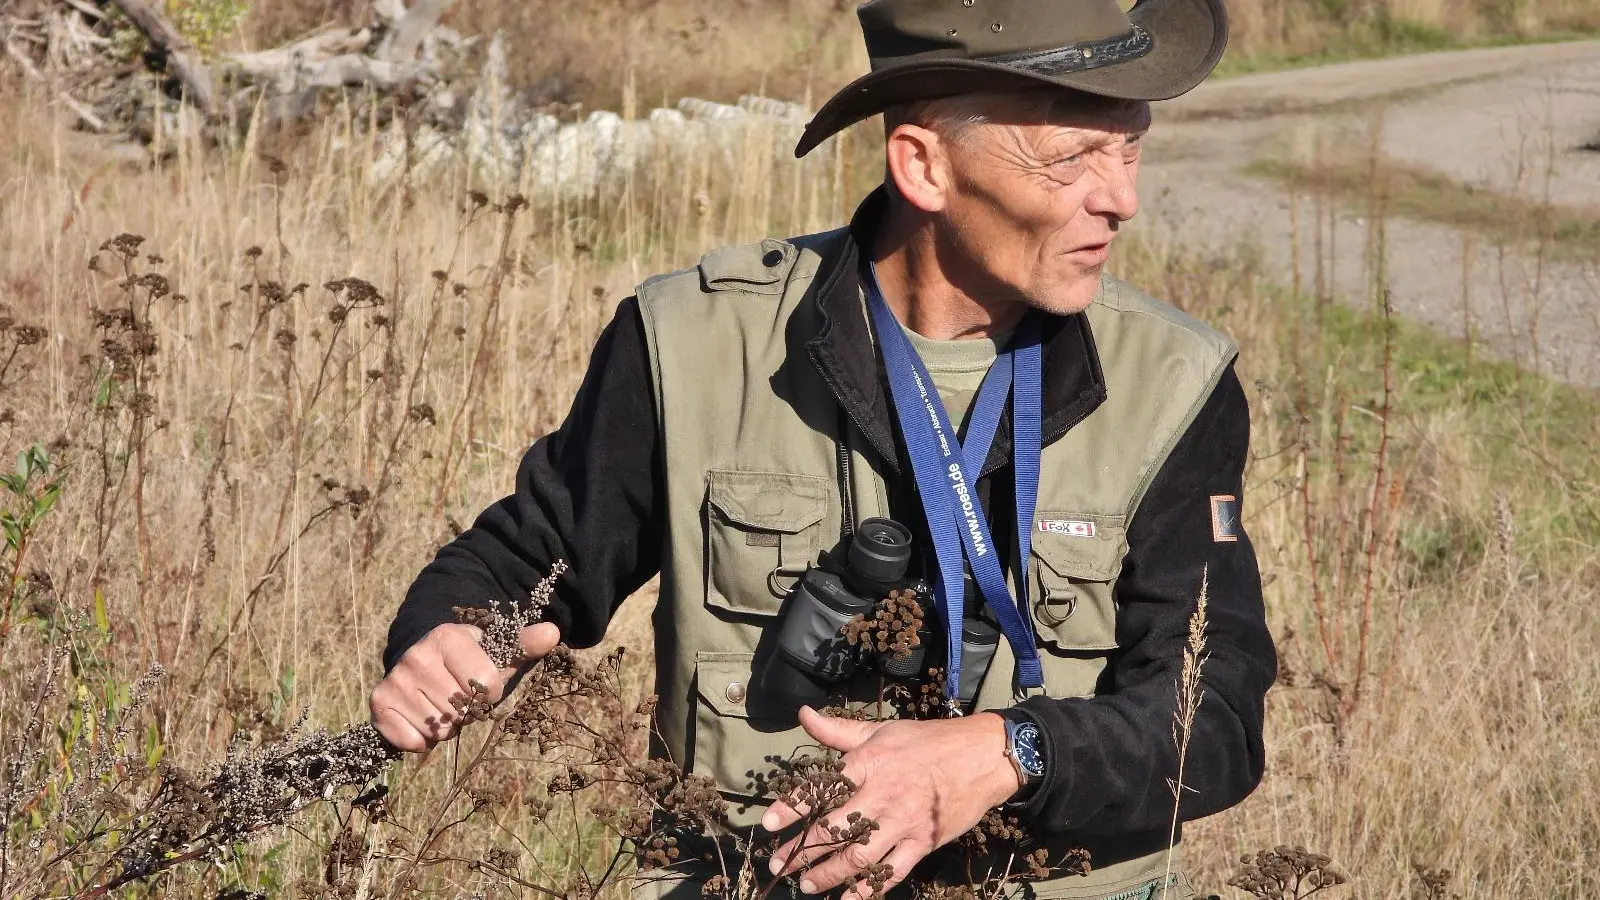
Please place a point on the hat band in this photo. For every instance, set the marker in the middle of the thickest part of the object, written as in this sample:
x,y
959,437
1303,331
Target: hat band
x,y
1078,57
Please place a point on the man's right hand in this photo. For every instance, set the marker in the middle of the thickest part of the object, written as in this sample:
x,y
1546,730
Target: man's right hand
x,y
411,705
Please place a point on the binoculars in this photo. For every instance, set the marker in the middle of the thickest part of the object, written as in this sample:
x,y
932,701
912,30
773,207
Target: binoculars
x,y
815,658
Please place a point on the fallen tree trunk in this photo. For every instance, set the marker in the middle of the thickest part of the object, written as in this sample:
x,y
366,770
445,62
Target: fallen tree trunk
x,y
305,53
182,59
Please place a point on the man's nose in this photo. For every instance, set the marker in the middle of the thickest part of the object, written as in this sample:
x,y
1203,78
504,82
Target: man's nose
x,y
1116,195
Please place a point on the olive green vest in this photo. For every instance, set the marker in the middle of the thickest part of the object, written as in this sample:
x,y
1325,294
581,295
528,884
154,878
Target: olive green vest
x,y
751,478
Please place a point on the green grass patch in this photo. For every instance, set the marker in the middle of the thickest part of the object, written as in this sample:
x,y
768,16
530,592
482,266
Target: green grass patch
x,y
1536,434
1414,193
1384,38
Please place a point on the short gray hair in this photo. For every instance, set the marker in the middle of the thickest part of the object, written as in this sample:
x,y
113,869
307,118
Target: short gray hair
x,y
955,117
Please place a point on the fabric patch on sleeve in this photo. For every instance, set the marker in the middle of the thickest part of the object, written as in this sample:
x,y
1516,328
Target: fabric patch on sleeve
x,y
1224,518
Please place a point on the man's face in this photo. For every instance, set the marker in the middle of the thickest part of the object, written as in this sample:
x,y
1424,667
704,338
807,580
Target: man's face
x,y
1033,207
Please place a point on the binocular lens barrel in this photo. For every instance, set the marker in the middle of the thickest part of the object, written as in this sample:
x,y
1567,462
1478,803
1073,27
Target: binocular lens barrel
x,y
880,551
908,666
979,640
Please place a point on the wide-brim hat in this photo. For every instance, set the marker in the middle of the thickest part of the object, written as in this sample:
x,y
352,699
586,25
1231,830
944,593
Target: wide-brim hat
x,y
923,49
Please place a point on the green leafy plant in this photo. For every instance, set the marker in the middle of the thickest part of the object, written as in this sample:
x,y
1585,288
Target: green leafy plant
x,y
207,22
203,23
33,489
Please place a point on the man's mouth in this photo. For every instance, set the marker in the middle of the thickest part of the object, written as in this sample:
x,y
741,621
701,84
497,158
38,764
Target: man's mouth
x,y
1091,253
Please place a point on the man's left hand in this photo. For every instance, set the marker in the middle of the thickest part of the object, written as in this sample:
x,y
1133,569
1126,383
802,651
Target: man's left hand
x,y
924,783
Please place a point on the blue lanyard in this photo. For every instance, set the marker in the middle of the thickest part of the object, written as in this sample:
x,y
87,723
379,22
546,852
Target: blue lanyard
x,y
941,465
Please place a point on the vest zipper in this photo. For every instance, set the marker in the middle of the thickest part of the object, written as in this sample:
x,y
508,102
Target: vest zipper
x,y
847,511
1146,891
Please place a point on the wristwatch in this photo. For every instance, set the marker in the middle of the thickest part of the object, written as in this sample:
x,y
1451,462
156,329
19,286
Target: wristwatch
x,y
1026,750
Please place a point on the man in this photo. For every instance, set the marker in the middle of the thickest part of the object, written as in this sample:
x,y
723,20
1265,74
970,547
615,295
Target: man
x,y
739,419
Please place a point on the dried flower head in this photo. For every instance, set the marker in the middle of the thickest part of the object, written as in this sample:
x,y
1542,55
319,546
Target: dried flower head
x,y
1285,873
125,245
502,624
1435,882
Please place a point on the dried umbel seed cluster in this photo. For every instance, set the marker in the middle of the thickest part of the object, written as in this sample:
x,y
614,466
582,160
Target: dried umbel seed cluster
x,y
547,710
351,294
342,863
994,829
811,782
1001,838
937,891
892,628
1435,882
684,803
856,829
17,336
875,877
1285,873
474,706
922,700
502,624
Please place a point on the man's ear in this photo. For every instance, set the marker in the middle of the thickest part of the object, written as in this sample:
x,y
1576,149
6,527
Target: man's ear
x,y
919,166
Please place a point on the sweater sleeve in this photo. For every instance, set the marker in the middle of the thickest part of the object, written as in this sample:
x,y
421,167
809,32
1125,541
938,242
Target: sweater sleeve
x,y
588,493
1111,757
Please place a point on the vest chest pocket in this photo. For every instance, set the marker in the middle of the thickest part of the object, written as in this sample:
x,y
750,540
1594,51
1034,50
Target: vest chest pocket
x,y
1077,559
762,530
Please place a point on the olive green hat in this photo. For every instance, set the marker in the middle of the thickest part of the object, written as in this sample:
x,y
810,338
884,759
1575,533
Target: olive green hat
x,y
922,49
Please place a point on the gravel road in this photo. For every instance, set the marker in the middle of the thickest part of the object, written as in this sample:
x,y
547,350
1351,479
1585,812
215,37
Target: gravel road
x,y
1511,120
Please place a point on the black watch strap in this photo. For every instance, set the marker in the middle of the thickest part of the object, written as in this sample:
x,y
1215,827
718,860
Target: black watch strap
x,y
1026,749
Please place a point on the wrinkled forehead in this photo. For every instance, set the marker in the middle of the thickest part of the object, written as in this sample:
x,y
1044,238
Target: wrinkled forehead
x,y
1070,109
962,118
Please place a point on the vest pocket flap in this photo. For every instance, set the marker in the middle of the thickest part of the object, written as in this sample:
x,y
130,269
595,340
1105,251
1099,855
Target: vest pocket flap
x,y
723,681
1078,560
769,501
758,268
1081,546
762,530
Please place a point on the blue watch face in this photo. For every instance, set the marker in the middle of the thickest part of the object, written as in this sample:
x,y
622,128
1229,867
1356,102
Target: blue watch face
x,y
1026,744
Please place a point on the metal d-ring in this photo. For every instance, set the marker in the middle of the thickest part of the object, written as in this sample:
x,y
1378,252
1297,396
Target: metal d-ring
x,y
1049,616
782,571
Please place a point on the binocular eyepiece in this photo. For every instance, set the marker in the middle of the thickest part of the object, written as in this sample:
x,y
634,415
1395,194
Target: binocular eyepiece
x,y
814,656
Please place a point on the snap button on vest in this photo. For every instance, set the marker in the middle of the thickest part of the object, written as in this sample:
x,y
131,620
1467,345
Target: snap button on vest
x,y
735,692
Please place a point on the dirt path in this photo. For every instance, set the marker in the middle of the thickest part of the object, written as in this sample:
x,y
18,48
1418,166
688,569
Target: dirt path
x,y
1507,120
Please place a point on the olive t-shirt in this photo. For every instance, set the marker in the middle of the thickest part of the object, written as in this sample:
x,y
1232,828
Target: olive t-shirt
x,y
958,369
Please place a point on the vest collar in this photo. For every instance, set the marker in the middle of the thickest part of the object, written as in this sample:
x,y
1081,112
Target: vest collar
x,y
843,353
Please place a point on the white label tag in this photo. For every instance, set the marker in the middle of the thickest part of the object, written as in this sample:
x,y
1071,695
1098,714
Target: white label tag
x,y
1068,527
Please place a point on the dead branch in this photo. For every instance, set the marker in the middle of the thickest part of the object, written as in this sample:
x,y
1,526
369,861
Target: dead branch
x,y
355,70
88,9
413,27
21,60
304,53
182,59
84,113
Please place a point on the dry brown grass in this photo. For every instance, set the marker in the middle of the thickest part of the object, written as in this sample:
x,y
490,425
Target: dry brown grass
x,y
1429,533
800,49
